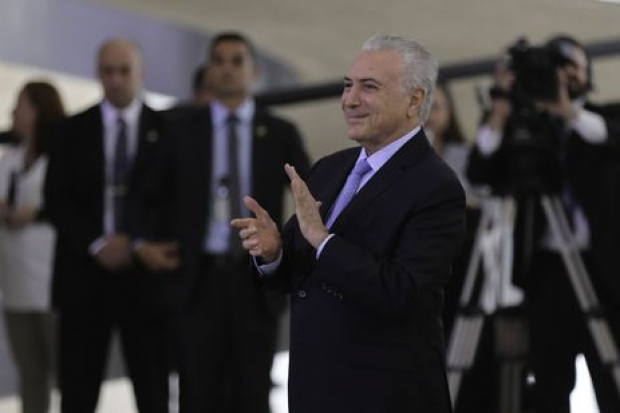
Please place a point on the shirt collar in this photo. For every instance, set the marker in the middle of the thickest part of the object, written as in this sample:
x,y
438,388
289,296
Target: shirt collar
x,y
245,112
129,113
379,158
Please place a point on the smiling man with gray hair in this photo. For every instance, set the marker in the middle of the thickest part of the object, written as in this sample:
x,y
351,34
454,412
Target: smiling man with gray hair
x,y
368,252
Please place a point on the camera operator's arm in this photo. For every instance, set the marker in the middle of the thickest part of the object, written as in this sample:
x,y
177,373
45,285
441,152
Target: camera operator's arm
x,y
589,125
489,135
484,159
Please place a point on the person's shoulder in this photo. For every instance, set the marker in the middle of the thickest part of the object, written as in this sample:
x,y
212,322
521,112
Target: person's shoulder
x,y
94,110
89,117
609,109
265,114
185,112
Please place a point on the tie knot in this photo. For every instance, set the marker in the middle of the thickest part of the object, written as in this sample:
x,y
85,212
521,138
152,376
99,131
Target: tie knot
x,y
120,122
362,167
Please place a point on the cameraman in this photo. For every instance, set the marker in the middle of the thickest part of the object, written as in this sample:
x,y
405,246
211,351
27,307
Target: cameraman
x,y
579,164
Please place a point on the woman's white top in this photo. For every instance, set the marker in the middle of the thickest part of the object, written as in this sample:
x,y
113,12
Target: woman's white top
x,y
26,254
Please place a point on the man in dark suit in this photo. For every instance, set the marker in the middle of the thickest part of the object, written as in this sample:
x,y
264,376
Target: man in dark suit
x,y
97,289
367,279
577,161
228,331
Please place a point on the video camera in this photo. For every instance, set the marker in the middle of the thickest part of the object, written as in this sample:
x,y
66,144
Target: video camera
x,y
532,136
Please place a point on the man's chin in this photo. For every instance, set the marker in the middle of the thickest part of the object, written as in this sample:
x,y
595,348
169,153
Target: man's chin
x,y
354,132
356,137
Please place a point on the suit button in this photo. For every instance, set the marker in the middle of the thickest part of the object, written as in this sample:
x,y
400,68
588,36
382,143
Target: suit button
x,y
302,294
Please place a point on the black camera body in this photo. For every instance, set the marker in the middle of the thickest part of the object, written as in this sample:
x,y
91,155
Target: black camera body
x,y
532,137
535,70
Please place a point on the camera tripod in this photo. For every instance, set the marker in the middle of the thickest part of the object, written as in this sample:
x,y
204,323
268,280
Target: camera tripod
x,y
493,248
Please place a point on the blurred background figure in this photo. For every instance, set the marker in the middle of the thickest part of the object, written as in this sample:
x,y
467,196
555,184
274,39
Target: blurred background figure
x,y
215,154
447,137
544,137
27,244
97,288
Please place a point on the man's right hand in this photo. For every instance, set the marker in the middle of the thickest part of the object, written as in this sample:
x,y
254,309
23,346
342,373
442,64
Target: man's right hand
x,y
115,254
260,235
158,256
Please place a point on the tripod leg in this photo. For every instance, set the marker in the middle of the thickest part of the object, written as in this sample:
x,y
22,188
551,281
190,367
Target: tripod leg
x,y
469,323
580,281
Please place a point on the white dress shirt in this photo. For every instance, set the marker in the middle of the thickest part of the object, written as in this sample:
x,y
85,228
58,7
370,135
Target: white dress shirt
x,y
109,116
218,226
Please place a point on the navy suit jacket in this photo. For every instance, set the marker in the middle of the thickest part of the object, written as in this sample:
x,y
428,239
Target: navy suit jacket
x,y
366,333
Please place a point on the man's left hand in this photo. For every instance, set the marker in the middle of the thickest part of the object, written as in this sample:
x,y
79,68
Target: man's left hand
x,y
307,209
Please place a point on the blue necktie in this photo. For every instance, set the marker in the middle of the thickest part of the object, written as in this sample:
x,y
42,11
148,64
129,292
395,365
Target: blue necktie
x,y
119,173
349,190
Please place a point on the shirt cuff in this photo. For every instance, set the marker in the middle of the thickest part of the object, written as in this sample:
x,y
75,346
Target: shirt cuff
x,y
590,126
322,245
268,269
488,140
97,245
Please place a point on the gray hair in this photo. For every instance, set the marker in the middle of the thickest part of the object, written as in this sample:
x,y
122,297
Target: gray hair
x,y
419,66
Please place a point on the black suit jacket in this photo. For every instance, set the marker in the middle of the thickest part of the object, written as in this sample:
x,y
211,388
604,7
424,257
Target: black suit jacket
x,y
74,197
366,333
176,197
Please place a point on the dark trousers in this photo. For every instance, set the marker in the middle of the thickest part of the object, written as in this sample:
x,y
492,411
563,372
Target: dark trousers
x,y
84,343
558,333
227,343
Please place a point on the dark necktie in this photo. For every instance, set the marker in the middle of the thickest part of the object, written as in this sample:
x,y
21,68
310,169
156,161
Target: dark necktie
x,y
119,173
234,190
362,167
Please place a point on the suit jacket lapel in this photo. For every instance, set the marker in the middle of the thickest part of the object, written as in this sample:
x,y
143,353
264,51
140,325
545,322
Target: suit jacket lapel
x,y
201,134
148,135
407,156
98,146
260,147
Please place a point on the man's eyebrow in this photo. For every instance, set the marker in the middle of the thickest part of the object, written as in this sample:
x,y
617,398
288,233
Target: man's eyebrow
x,y
363,80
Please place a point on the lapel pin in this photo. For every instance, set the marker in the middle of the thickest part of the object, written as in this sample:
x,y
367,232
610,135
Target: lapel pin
x,y
152,136
261,131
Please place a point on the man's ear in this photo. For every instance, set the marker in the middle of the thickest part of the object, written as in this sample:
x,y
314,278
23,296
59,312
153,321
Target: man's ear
x,y
416,98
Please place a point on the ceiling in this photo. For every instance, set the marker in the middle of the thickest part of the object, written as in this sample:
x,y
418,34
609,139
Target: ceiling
x,y
319,37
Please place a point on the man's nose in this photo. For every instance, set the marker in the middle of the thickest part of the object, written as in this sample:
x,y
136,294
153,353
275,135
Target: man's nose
x,y
351,97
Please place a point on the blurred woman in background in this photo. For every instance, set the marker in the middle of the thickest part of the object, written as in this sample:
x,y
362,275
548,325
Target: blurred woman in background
x,y
27,244
446,136
477,393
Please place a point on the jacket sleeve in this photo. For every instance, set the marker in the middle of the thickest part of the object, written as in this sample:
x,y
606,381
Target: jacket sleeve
x,y
77,228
